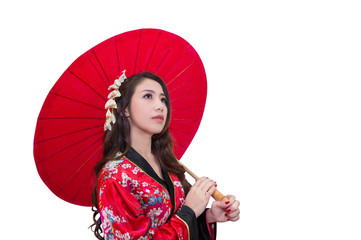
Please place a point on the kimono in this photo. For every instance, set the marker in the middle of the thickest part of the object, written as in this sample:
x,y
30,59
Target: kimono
x,y
135,203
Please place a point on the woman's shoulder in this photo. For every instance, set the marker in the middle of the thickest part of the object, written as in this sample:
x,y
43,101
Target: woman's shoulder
x,y
113,169
120,172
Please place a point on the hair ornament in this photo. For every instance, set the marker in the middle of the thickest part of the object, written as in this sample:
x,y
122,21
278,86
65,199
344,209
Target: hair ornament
x,y
114,94
111,104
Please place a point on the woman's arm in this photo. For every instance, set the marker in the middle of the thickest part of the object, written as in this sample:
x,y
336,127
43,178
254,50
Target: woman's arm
x,y
123,217
197,199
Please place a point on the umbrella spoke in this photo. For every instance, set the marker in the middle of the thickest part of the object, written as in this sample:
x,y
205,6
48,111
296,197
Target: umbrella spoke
x,y
66,134
83,118
186,119
179,74
179,86
75,100
116,52
96,69
137,53
78,170
187,108
69,146
101,66
166,55
155,45
87,180
72,159
87,84
180,131
189,94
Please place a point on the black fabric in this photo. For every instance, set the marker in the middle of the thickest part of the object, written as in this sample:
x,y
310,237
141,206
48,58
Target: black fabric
x,y
203,227
188,216
197,226
167,183
171,190
138,160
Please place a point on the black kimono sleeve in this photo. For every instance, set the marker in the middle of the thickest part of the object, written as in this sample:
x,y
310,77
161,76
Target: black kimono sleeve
x,y
206,231
199,228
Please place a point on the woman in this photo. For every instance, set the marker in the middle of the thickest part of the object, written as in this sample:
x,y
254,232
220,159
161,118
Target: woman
x,y
141,191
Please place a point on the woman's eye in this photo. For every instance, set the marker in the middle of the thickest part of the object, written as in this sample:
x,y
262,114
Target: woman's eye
x,y
148,96
164,100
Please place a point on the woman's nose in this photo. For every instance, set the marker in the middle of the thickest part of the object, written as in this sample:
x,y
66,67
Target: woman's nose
x,y
159,105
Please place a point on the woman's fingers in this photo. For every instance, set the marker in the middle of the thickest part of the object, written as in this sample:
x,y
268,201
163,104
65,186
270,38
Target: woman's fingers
x,y
199,181
211,190
205,184
231,199
234,219
233,212
198,196
234,204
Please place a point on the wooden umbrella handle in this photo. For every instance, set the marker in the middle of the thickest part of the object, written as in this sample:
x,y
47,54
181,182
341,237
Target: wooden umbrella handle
x,y
217,195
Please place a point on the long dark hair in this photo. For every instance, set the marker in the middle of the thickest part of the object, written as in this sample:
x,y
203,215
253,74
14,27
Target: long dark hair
x,y
119,138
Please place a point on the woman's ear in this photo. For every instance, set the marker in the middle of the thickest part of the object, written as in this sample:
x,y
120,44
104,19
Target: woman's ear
x,y
126,112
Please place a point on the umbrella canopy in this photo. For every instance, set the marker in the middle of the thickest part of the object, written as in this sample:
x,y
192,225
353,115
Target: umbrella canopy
x,y
70,128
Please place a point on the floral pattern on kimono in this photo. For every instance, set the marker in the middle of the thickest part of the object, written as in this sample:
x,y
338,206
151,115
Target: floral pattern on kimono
x,y
134,203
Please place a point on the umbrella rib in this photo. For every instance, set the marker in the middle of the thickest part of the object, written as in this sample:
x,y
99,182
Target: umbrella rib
x,y
67,134
182,146
180,73
72,159
81,187
166,55
101,66
187,108
67,147
179,57
75,100
78,170
185,82
96,69
88,85
186,119
181,131
118,56
137,53
155,45
188,94
89,175
116,51
50,118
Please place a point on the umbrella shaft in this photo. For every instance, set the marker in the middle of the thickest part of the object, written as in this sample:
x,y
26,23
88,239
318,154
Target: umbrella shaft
x,y
217,195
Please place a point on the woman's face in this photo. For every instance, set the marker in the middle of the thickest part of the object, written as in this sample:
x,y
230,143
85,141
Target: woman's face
x,y
147,111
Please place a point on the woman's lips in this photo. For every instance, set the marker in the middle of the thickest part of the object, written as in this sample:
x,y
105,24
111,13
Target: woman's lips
x,y
159,118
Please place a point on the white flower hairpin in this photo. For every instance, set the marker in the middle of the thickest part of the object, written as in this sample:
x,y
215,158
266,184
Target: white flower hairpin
x,y
111,104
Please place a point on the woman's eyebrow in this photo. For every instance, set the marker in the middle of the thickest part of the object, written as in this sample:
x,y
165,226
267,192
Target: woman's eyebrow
x,y
152,91
148,90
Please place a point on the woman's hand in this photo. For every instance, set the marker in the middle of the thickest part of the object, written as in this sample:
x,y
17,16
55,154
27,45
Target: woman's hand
x,y
224,211
198,196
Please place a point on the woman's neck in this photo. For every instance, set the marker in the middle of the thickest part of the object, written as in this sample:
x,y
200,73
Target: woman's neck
x,y
142,144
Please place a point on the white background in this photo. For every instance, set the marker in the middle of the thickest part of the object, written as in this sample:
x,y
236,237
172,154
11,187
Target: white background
x,y
281,129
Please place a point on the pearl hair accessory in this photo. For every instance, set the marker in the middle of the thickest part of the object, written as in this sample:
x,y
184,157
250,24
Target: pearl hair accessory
x,y
111,104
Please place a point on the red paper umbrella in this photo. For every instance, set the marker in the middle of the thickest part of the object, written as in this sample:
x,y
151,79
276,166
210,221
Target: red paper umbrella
x,y
70,128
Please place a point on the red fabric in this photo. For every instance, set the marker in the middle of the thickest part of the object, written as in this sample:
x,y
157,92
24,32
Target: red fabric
x,y
69,131
134,205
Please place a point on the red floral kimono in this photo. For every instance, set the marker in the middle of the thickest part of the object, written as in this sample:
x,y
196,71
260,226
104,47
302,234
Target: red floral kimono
x,y
134,203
